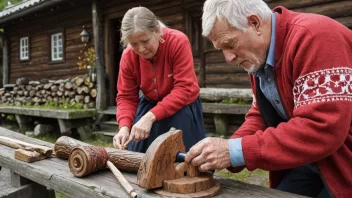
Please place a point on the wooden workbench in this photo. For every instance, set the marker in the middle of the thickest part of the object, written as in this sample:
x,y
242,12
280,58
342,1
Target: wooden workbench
x,y
53,173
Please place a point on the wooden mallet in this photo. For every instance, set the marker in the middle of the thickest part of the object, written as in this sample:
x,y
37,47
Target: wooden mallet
x,y
156,168
84,160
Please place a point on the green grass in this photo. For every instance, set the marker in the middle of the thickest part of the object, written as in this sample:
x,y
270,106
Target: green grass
x,y
257,177
59,195
63,105
236,101
93,140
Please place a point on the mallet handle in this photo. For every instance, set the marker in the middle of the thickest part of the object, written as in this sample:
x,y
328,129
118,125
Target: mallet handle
x,y
123,181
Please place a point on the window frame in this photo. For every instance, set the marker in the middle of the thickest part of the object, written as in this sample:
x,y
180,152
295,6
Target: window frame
x,y
56,32
22,59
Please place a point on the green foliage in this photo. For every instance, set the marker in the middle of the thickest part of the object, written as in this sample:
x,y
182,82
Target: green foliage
x,y
3,3
11,118
257,177
87,59
235,101
59,195
64,104
99,140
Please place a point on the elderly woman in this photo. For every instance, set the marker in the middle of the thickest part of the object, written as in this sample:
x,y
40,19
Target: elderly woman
x,y
158,63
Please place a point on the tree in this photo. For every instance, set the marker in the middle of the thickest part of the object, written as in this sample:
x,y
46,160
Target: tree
x,y
3,3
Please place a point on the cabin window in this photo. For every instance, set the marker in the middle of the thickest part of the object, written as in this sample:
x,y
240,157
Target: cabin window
x,y
56,47
24,52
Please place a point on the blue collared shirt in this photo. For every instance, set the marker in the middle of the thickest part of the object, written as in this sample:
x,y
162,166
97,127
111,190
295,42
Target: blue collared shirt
x,y
269,89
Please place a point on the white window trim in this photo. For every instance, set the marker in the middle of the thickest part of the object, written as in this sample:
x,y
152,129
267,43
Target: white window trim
x,y
57,47
24,48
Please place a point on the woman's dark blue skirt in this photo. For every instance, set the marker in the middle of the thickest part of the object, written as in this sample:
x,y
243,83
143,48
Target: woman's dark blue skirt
x,y
189,119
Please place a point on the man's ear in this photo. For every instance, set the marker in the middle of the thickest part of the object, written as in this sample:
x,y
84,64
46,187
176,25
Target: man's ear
x,y
255,22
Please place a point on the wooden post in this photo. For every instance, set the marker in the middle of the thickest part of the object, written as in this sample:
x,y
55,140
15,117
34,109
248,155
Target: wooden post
x,y
97,16
221,124
24,122
5,61
17,180
201,80
30,189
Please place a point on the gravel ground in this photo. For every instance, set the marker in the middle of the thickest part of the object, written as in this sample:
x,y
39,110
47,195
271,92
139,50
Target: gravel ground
x,y
4,181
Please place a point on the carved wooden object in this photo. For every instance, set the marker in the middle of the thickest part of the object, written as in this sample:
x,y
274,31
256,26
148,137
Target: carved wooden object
x,y
158,163
28,156
211,192
157,166
122,159
17,144
189,184
84,160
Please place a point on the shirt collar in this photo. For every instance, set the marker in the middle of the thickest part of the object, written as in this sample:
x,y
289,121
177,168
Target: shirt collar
x,y
270,59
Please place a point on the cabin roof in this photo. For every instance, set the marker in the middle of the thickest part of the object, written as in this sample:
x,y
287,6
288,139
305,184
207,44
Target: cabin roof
x,y
23,8
11,9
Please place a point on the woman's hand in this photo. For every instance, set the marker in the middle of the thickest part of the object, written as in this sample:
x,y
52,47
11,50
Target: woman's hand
x,y
121,138
141,129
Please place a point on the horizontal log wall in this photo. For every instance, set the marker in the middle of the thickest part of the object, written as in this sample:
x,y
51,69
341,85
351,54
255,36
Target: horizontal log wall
x,y
234,122
70,18
172,14
222,75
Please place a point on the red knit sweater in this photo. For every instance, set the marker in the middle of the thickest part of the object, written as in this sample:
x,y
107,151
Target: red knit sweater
x,y
313,70
170,80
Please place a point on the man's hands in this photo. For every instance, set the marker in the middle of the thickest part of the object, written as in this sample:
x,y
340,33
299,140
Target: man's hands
x,y
210,154
121,138
141,129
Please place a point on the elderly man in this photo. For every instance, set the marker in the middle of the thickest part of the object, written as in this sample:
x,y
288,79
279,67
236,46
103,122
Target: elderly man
x,y
300,68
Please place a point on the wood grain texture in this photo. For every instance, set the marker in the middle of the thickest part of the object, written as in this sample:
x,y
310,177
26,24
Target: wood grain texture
x,y
49,113
189,184
211,192
220,108
158,162
218,94
122,159
28,156
44,150
54,174
124,183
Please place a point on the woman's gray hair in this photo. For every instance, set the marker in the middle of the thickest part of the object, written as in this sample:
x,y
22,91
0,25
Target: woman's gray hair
x,y
138,19
234,11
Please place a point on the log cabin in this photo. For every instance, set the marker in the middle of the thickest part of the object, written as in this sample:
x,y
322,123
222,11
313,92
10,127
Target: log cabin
x,y
41,38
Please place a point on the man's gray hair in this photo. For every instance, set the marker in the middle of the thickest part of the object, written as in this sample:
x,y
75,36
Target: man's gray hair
x,y
235,12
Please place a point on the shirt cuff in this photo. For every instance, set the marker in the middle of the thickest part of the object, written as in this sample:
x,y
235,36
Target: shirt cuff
x,y
159,112
125,122
236,153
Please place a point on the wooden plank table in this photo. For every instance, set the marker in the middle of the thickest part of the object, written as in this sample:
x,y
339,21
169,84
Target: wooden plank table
x,y
54,174
67,119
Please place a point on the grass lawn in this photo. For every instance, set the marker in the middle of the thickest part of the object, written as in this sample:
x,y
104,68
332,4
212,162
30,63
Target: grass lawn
x,y
257,177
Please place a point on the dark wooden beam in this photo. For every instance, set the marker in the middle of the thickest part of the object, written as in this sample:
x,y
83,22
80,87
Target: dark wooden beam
x,y
97,17
5,60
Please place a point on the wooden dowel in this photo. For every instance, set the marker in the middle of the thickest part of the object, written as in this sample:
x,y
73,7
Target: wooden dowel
x,y
10,144
46,151
123,181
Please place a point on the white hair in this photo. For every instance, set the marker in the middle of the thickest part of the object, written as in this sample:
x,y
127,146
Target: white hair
x,y
235,12
138,19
